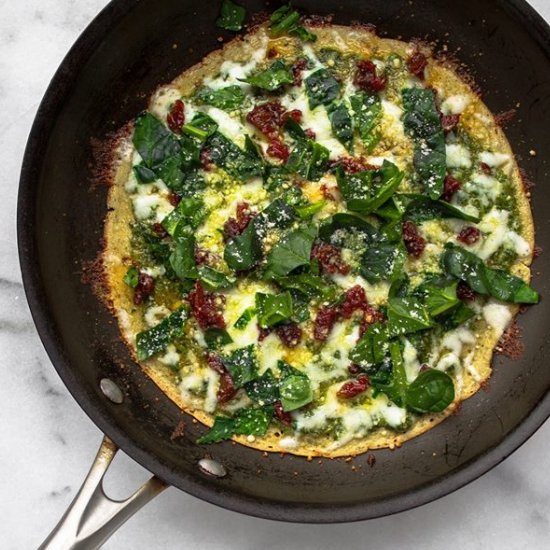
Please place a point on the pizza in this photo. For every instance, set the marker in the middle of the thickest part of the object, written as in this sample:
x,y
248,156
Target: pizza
x,y
316,238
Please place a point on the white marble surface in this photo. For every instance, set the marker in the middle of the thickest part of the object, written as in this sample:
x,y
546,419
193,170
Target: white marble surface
x,y
47,443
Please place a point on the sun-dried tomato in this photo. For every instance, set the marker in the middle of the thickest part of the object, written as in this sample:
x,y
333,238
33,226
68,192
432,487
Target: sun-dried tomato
x,y
327,192
267,117
366,77
469,235
215,363
206,307
281,415
174,199
271,53
235,226
176,117
329,258
370,317
144,288
159,230
355,299
354,387
449,122
352,165
450,187
414,242
263,333
226,389
417,64
310,134
325,320
295,114
204,257
278,149
354,369
485,168
464,292
297,70
290,334
206,160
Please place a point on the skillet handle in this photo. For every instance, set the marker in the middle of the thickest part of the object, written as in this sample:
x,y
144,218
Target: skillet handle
x,y
92,516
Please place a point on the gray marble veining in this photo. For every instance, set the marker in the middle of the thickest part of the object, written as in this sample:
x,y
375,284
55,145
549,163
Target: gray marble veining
x,y
47,443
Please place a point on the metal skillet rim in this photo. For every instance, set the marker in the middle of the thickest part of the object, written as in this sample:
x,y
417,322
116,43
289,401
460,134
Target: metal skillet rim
x,y
298,513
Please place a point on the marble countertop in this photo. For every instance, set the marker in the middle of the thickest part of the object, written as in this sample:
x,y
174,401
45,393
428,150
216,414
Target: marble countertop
x,y
47,443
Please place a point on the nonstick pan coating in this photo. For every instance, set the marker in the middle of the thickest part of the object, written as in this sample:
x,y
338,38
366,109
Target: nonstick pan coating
x,y
105,80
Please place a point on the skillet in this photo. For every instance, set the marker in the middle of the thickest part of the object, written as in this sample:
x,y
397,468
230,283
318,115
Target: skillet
x,y
104,81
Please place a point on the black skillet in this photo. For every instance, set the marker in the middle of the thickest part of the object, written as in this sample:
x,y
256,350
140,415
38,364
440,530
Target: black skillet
x,y
125,53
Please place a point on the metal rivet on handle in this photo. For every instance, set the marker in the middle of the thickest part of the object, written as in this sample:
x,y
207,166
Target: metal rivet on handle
x,y
212,467
111,391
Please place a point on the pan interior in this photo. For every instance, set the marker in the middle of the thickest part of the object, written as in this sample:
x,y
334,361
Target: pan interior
x,y
129,50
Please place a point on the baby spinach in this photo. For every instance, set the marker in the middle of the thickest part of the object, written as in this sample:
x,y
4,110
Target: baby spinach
x,y
333,229
367,113
406,315
154,340
273,308
423,124
216,338
248,421
242,365
285,20
246,316
182,259
342,126
372,348
439,295
383,262
144,174
228,98
321,88
132,277
244,251
364,192
420,208
231,16
292,251
236,162
189,210
309,159
295,392
214,279
308,211
263,390
464,265
272,78
432,391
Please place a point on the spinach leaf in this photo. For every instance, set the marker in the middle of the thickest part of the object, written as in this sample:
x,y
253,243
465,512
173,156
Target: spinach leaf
x,y
342,126
273,308
214,279
311,286
383,262
439,296
367,113
285,21
406,315
272,78
247,421
153,141
295,392
432,391
309,210
229,98
244,251
216,338
132,277
182,259
364,192
231,17
144,174
456,316
334,228
372,348
321,88
420,208
156,339
423,124
309,159
237,163
264,390
464,265
201,127
247,315
241,365
190,211
292,251
396,388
